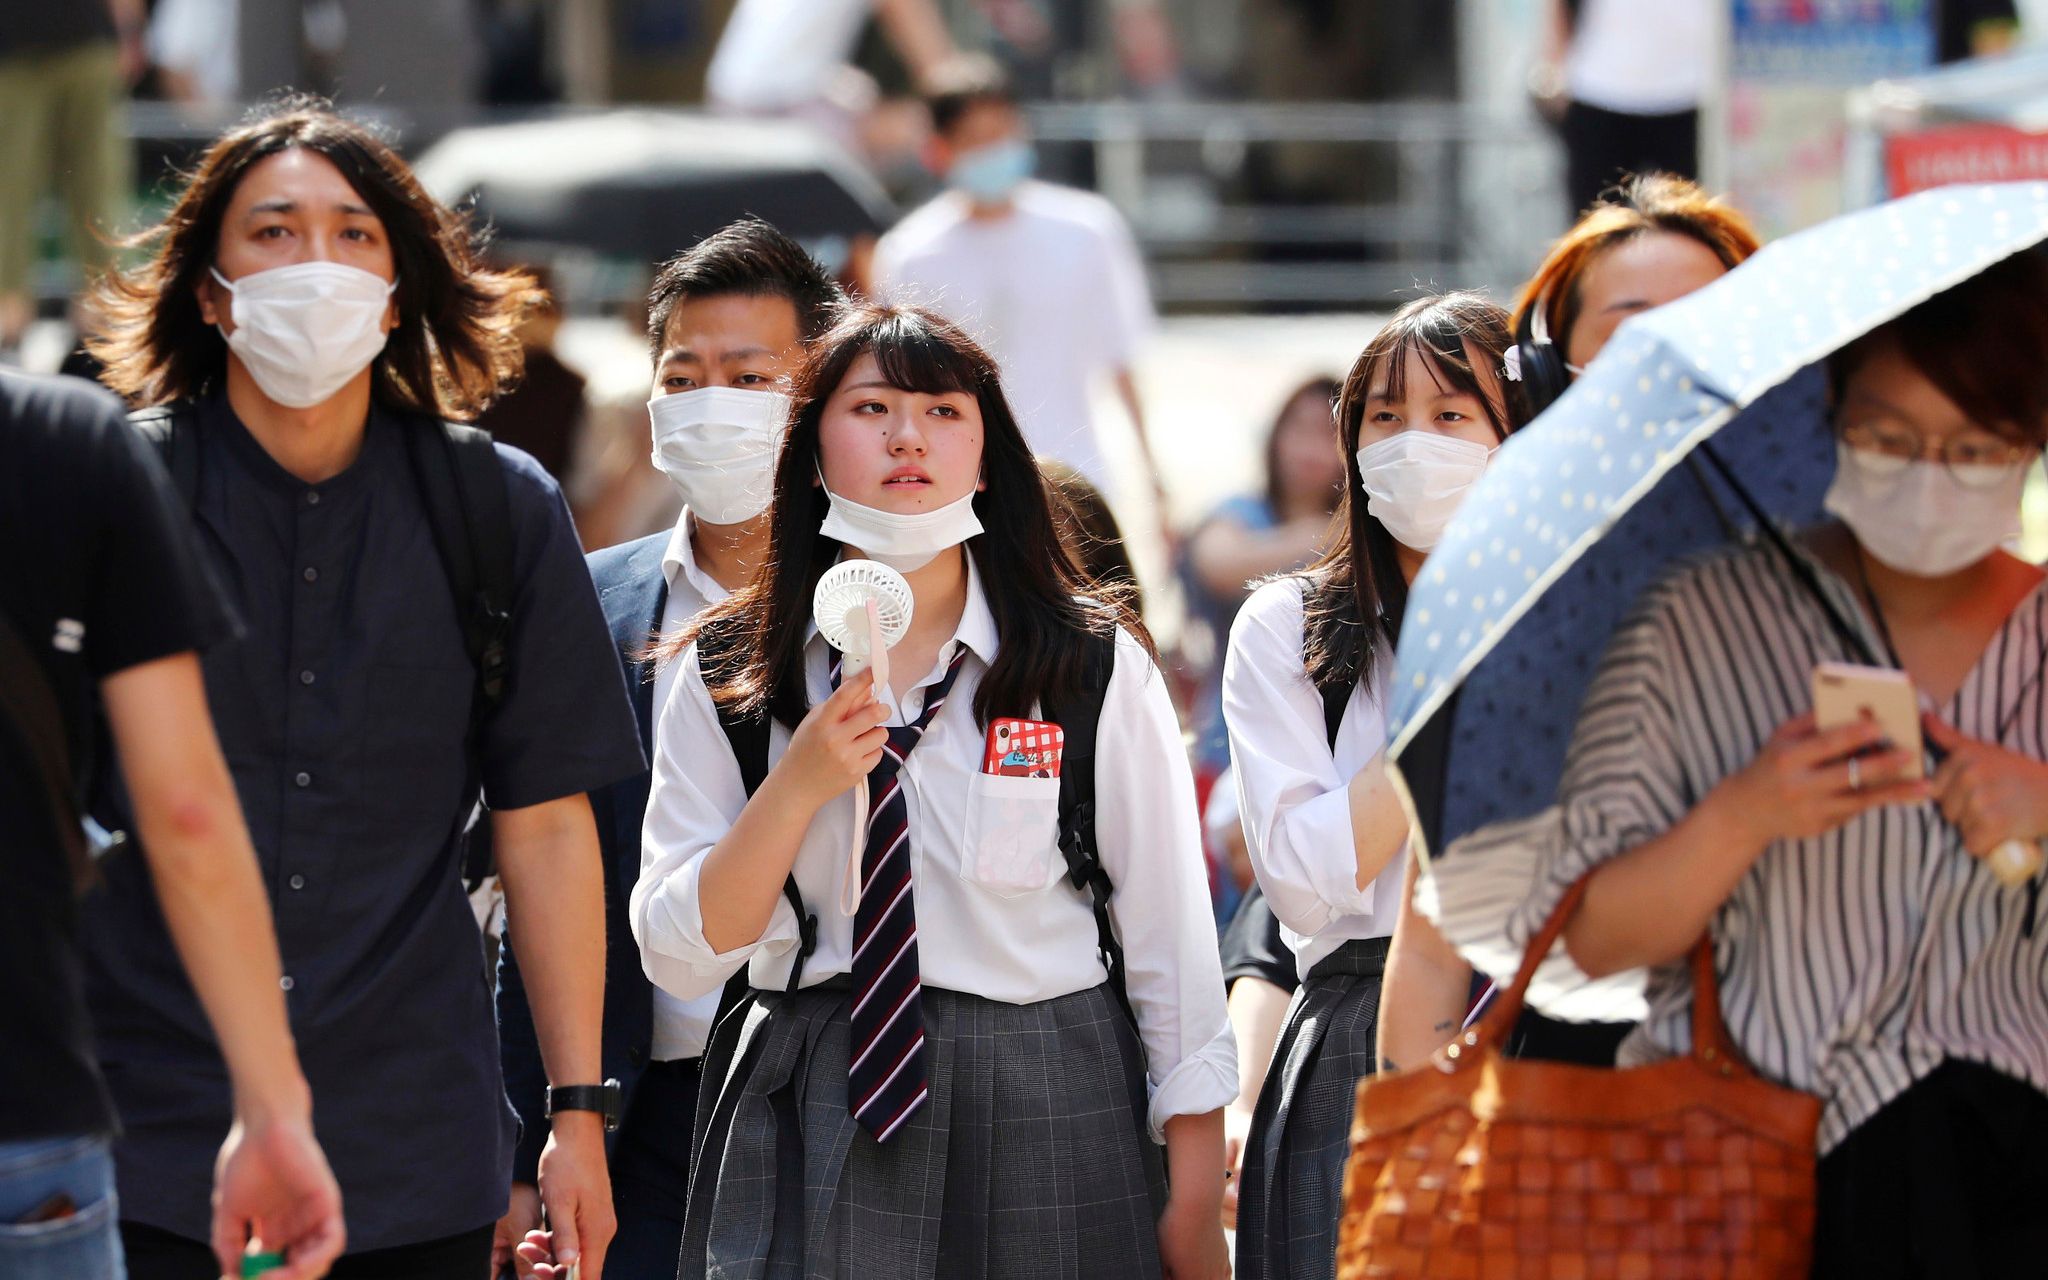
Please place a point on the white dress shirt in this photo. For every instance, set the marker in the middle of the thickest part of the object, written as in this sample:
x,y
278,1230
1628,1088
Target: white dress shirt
x,y
681,1027
1293,793
996,916
1055,290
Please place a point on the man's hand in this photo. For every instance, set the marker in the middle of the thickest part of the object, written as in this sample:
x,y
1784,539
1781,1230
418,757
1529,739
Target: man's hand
x,y
521,1216
576,1188
272,1184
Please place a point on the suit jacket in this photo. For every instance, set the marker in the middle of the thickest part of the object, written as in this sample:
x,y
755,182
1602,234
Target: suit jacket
x,y
632,591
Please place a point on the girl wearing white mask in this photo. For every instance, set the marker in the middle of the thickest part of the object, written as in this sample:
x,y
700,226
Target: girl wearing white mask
x,y
1304,684
935,1076
1868,948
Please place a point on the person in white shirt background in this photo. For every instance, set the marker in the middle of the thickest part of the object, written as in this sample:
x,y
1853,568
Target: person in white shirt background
x,y
1046,277
727,324
1032,1107
1420,414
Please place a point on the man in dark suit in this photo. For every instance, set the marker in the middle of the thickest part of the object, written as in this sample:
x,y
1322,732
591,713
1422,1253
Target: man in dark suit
x,y
727,323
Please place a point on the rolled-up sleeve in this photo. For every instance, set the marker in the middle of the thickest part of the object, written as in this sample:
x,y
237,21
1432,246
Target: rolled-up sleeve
x,y
1150,838
697,795
1625,783
1295,804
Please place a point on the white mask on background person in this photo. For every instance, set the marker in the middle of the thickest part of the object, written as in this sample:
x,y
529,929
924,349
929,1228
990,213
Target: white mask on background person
x,y
906,543
1414,481
718,446
1917,518
304,330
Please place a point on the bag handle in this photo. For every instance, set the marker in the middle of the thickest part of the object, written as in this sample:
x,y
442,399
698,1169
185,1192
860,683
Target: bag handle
x,y
1710,1041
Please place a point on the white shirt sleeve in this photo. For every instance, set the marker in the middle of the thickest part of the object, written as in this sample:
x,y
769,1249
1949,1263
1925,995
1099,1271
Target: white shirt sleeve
x,y
1129,319
1150,839
690,808
1297,813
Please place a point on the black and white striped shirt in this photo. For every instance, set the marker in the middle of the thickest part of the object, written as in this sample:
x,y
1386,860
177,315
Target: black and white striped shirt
x,y
1853,963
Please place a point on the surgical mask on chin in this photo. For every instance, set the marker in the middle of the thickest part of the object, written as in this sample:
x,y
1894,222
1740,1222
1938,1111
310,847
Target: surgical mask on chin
x,y
906,543
304,330
992,173
718,446
1918,518
1414,482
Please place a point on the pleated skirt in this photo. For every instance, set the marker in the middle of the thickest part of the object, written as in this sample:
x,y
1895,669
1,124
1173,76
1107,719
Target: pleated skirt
x,y
1031,1157
1293,1172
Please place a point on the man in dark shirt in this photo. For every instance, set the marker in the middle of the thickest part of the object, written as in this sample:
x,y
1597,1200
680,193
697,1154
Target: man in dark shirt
x,y
733,313
101,594
308,309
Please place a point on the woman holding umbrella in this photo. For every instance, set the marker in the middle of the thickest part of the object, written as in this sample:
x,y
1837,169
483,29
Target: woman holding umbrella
x,y
1651,240
1866,951
1309,660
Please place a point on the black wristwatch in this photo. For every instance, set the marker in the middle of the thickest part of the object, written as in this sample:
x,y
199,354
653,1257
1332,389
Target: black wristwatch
x,y
601,1098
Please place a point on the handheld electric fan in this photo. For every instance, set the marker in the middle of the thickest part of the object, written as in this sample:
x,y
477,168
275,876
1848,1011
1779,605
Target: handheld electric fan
x,y
861,607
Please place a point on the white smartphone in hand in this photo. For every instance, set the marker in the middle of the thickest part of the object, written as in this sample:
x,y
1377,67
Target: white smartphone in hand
x,y
1844,693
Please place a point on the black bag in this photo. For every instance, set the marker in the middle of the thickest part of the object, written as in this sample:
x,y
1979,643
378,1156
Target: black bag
x,y
462,486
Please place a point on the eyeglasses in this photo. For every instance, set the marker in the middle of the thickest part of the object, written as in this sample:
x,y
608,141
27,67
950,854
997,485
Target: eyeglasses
x,y
1977,459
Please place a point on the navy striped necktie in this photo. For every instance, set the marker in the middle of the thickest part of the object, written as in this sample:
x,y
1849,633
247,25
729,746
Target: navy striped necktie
x,y
886,1081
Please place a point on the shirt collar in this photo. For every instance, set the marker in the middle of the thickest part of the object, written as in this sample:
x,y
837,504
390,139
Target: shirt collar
x,y
681,558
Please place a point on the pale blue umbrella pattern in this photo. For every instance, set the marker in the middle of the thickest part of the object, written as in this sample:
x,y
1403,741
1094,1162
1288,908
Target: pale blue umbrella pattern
x,y
1589,504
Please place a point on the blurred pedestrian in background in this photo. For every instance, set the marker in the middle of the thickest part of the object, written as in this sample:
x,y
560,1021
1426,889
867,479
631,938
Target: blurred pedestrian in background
x,y
544,414
1047,278
1623,81
64,72
109,619
419,630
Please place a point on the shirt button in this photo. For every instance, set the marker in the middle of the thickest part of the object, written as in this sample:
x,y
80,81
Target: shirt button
x,y
305,677
312,497
297,882
286,982
311,574
303,780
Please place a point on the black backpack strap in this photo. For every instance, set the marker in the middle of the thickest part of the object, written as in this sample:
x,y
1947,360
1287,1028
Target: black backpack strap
x,y
1079,720
29,704
1336,698
170,428
748,737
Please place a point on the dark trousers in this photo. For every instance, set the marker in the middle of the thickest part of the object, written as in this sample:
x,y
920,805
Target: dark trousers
x,y
159,1255
1601,146
1946,1182
651,1173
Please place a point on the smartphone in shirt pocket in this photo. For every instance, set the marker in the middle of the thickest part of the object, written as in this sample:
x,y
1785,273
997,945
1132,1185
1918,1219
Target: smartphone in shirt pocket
x,y
1013,810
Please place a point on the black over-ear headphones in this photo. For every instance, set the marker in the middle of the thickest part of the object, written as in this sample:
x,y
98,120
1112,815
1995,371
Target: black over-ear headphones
x,y
1544,373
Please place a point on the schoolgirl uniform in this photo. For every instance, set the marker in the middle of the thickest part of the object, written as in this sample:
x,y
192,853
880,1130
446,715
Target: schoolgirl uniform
x,y
1033,1150
1291,783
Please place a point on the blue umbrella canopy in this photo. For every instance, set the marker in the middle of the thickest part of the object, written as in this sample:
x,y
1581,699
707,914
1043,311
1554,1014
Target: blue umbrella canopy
x,y
1694,418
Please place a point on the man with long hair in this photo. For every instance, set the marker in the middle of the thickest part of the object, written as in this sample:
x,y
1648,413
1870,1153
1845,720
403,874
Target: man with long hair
x,y
307,323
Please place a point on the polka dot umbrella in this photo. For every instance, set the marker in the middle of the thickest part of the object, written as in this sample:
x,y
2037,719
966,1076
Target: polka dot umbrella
x,y
1694,418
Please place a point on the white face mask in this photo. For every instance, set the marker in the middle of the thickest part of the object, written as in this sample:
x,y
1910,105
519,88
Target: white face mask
x,y
906,543
718,446
1919,519
1415,480
304,330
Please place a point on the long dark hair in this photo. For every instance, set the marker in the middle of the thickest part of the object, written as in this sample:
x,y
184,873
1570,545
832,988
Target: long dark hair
x,y
1353,596
456,346
1045,611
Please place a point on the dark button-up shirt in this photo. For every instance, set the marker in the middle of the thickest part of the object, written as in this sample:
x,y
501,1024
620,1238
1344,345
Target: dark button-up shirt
x,y
343,713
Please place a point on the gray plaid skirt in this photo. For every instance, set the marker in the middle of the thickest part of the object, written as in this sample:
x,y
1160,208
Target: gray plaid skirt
x,y
1291,1190
1030,1158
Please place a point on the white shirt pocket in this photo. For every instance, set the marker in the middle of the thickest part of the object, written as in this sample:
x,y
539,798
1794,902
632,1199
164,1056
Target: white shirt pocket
x,y
1012,834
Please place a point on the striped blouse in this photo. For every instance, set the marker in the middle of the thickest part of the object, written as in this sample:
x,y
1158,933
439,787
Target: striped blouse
x,y
1852,963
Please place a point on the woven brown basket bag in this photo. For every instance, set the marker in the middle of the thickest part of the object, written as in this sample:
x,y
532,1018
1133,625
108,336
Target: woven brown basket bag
x,y
1479,1167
